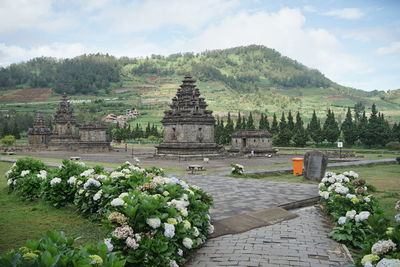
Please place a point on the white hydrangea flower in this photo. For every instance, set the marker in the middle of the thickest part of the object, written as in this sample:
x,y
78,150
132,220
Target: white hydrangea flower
x,y
350,214
153,222
350,196
72,180
126,171
187,242
169,230
91,182
117,174
101,177
42,174
80,163
196,232
7,174
388,263
367,199
173,263
362,216
80,192
332,179
9,181
324,194
87,172
180,252
346,180
117,202
97,196
122,195
383,246
122,232
109,245
320,185
24,173
342,220
342,190
324,180
210,229
55,181
131,242
184,212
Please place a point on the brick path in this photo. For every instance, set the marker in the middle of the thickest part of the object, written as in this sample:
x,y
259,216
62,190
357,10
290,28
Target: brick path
x,y
301,241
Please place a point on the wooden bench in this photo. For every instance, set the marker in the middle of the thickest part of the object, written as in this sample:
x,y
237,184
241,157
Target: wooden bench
x,y
194,168
75,158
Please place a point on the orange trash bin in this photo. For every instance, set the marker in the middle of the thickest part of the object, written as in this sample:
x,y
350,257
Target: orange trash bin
x,y
297,166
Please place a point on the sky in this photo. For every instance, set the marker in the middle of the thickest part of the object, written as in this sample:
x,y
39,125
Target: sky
x,y
354,43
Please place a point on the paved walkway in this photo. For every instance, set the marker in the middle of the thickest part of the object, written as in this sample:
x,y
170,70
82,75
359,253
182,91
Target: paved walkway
x,y
301,241
233,196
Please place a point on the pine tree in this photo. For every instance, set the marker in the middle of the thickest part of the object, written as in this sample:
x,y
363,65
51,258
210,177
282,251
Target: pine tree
x,y
274,126
290,122
396,132
5,130
359,108
147,131
239,122
15,131
284,134
300,136
374,130
250,123
229,128
386,132
217,131
349,129
244,124
314,129
363,128
331,128
261,125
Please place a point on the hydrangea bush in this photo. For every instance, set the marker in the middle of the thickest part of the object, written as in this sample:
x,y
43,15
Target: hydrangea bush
x,y
153,220
358,219
237,169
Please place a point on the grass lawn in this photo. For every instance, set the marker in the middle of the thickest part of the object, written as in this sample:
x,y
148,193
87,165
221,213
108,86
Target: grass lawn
x,y
20,220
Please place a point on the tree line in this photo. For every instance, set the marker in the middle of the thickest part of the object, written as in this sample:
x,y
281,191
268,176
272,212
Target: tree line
x,y
357,128
127,132
86,74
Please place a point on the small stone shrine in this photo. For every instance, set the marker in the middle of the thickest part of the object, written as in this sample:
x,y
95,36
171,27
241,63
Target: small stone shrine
x,y
255,142
315,163
67,134
188,126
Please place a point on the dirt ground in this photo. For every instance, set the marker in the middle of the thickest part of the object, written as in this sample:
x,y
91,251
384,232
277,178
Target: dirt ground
x,y
146,157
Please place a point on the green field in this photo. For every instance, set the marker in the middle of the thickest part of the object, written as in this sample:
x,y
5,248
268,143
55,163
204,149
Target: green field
x,y
20,220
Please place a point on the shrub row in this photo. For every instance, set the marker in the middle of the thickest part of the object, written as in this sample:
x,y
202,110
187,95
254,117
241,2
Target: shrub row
x,y
359,221
153,220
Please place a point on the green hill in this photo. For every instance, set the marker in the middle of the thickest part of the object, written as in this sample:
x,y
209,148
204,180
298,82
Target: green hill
x,y
252,78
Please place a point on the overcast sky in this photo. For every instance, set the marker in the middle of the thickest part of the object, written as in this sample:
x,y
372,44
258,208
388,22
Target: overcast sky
x,y
354,43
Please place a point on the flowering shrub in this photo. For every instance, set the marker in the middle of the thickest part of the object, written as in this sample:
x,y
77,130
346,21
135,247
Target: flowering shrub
x,y
154,220
237,169
358,220
55,249
59,187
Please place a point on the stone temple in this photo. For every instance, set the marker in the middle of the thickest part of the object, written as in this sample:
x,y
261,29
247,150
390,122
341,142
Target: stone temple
x,y
67,134
188,126
255,142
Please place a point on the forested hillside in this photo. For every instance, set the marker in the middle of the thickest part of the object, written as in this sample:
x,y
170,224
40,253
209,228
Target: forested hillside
x,y
243,69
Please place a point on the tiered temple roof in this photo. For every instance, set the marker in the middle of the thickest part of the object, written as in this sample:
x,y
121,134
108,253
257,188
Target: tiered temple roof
x,y
187,105
39,127
64,112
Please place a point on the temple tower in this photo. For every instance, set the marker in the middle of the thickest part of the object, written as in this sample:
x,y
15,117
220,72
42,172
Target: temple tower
x,y
39,134
188,125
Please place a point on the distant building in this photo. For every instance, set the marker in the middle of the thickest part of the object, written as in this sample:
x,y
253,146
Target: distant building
x,y
188,126
67,134
255,142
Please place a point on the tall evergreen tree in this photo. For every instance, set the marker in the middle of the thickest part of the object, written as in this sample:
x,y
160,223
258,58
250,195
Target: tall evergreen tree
x,y
331,128
264,124
396,132
349,129
386,132
300,136
239,122
15,130
261,122
5,130
314,129
274,126
250,123
244,124
363,128
290,122
284,134
359,108
229,128
374,129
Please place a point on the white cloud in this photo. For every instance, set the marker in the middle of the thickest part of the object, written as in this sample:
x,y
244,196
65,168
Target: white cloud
x,y
394,47
310,9
284,31
14,54
153,14
346,13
